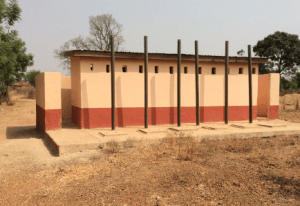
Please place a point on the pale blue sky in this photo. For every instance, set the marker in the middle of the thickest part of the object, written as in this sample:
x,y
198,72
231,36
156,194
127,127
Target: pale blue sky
x,y
47,24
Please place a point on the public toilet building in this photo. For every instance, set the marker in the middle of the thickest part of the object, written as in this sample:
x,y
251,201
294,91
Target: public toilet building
x,y
85,96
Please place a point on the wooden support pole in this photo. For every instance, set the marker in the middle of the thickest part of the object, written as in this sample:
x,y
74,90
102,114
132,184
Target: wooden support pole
x,y
226,82
250,83
178,83
113,125
146,79
197,83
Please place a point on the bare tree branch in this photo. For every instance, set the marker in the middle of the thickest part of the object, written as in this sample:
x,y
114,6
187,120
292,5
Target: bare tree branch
x,y
101,28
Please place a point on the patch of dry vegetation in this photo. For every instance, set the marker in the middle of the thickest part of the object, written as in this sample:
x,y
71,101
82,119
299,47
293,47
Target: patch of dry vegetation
x,y
178,170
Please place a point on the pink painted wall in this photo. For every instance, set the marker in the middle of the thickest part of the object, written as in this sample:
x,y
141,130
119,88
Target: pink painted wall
x,y
66,104
48,101
91,92
263,98
268,95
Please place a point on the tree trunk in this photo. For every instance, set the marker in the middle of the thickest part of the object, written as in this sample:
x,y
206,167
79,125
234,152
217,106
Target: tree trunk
x,y
7,95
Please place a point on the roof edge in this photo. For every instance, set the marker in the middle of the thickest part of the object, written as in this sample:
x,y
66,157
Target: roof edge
x,y
159,56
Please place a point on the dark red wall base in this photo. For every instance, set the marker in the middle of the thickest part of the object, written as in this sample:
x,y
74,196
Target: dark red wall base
x,y
273,112
101,117
47,119
40,119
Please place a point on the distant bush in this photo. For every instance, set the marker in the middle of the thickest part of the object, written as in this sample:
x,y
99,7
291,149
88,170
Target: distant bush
x,y
30,76
291,85
2,89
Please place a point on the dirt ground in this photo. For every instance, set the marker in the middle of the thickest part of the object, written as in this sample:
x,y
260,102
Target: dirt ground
x,y
176,171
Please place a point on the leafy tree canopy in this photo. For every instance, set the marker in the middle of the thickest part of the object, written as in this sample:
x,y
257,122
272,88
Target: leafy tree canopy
x,y
282,50
30,76
13,58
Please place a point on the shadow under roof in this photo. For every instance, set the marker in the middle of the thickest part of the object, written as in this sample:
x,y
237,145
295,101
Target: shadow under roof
x,y
160,56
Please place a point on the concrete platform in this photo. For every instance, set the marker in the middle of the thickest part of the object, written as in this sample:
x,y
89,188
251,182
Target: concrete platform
x,y
152,130
271,124
215,126
111,133
184,128
72,139
244,125
69,140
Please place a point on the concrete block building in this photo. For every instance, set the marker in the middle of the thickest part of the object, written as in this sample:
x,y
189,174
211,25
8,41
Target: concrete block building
x,y
85,97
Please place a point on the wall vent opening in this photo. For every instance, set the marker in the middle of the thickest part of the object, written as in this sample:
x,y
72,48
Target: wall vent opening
x,y
240,70
213,70
199,70
140,69
185,70
124,68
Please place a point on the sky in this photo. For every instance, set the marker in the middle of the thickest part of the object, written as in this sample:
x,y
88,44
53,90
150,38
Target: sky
x,y
48,24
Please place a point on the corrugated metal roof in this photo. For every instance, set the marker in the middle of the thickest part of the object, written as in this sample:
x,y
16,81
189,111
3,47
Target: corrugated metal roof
x,y
160,56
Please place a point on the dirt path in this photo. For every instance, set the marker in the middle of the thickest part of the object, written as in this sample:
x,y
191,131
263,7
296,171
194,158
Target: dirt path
x,y
22,148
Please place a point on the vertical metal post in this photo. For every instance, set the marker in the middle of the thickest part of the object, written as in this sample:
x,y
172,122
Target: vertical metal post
x,y
197,82
146,79
250,83
113,125
226,82
178,83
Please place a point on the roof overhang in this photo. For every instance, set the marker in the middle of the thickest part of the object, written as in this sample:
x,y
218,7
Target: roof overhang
x,y
161,56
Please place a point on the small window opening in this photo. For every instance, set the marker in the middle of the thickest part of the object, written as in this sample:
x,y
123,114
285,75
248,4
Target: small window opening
x,y
228,70
253,70
140,69
156,69
240,70
124,68
92,67
200,70
213,70
185,70
171,70
107,68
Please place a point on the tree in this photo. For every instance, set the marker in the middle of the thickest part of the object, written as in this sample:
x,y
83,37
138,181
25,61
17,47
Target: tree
x,y
263,69
297,79
241,52
101,28
288,84
30,76
282,50
13,58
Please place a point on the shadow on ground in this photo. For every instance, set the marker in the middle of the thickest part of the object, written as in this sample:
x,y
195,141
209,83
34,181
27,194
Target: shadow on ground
x,y
27,132
23,132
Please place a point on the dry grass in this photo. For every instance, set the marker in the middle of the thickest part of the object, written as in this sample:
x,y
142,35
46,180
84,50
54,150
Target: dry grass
x,y
112,146
178,170
184,147
129,143
27,91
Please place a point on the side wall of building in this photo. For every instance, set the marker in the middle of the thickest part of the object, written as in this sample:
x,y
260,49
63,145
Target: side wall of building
x,y
91,92
48,101
76,90
268,95
40,101
66,101
274,95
